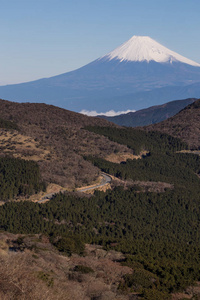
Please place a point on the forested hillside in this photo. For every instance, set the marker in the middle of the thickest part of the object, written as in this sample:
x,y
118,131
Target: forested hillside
x,y
158,232
56,139
19,177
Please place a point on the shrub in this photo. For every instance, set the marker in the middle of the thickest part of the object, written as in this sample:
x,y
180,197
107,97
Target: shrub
x,y
83,269
69,245
46,278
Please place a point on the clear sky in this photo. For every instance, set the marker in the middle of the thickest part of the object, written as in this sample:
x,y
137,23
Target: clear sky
x,y
42,38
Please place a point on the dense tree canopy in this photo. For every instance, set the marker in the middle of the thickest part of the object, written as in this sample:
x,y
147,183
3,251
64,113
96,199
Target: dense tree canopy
x,y
158,232
8,124
19,177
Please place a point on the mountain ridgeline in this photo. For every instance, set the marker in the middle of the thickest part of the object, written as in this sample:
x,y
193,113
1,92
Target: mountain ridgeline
x,y
151,115
185,125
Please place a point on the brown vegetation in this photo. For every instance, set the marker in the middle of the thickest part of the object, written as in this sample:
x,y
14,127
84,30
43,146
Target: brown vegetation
x,y
32,269
144,186
93,187
121,157
56,138
18,145
185,125
192,292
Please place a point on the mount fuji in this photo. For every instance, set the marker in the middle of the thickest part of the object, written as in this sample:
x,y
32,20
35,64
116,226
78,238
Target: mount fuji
x,y
139,73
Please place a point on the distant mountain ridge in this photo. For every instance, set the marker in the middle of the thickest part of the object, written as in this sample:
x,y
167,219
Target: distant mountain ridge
x,y
137,74
151,115
184,125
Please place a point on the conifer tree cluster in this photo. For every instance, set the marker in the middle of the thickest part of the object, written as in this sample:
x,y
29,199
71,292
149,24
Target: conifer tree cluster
x,y
157,232
19,177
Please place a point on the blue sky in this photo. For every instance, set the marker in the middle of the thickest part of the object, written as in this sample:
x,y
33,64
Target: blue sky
x,y
42,38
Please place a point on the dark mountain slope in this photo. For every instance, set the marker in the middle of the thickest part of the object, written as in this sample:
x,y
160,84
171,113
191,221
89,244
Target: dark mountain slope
x,y
151,115
59,141
184,125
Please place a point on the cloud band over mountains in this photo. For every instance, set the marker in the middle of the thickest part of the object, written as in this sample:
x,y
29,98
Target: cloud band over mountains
x,y
110,113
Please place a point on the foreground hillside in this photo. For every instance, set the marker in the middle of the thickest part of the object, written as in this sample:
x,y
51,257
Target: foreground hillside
x,y
185,125
156,229
56,139
150,215
33,269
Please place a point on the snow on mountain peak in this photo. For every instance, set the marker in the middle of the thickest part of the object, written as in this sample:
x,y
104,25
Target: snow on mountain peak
x,y
143,48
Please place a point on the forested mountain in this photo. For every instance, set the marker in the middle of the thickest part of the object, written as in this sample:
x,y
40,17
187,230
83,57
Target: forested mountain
x,y
156,231
151,115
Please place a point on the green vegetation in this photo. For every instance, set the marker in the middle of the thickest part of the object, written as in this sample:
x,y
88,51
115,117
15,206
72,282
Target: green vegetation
x,y
162,163
139,140
47,278
19,177
175,168
8,124
83,269
157,232
69,245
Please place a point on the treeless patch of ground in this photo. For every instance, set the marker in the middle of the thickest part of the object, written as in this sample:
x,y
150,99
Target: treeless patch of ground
x,y
96,182
52,188
145,186
190,151
93,187
180,296
192,292
21,146
121,157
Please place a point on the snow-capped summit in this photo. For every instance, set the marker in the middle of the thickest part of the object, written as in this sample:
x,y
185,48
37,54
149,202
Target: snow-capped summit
x,y
137,74
144,48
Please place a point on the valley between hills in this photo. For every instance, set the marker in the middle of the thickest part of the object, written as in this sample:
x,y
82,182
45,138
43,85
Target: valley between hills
x,y
136,239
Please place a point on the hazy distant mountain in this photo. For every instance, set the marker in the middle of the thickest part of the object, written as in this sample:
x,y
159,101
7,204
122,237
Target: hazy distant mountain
x,y
151,115
138,74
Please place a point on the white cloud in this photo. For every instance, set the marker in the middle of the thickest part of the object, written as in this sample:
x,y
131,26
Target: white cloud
x,y
110,113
